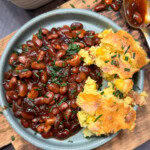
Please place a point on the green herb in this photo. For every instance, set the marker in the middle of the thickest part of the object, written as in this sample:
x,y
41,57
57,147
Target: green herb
x,y
133,55
106,61
24,70
45,47
127,49
70,141
136,40
74,112
26,49
109,8
40,70
114,102
115,63
36,74
118,55
72,5
95,1
30,99
90,36
102,93
46,96
55,100
74,39
19,46
73,91
73,49
12,138
19,51
44,85
63,64
98,117
51,108
38,89
113,56
127,69
73,28
115,75
98,74
122,47
17,71
125,37
126,58
88,5
38,61
79,33
64,84
117,93
40,33
64,99
1,112
10,105
84,1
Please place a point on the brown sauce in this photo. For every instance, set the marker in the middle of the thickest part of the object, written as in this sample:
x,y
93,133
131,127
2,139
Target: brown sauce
x,y
136,11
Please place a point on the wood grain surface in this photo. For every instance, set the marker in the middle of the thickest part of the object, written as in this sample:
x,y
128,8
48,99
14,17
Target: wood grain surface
x,y
126,140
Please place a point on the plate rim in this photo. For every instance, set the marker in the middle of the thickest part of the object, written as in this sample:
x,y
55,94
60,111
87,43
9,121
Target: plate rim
x,y
27,25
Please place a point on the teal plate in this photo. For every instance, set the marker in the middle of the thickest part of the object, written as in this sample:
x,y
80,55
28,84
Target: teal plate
x,y
57,18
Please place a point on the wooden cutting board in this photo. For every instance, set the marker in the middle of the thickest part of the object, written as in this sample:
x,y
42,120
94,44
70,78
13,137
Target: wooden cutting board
x,y
126,140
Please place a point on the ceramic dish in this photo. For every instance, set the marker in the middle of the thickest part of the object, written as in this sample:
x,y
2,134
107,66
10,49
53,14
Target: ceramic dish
x,y
51,19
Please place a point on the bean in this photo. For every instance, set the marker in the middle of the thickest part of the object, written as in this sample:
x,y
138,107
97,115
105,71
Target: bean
x,y
13,58
67,114
137,17
13,95
51,51
26,115
33,93
13,82
80,77
47,128
30,44
24,123
73,103
47,135
60,54
52,36
38,66
100,7
55,111
44,31
65,30
56,46
60,127
54,88
76,25
56,97
23,89
74,127
85,69
67,124
64,46
62,134
6,86
41,55
108,2
115,6
63,89
75,69
80,44
72,78
19,67
63,106
59,118
37,41
44,77
75,61
26,74
60,63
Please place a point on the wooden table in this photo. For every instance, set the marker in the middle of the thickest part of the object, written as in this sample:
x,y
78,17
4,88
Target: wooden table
x,y
125,140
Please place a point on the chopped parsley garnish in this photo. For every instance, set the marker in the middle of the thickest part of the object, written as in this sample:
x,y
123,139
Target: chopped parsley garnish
x,y
90,36
64,99
133,55
70,141
24,70
98,74
40,70
36,74
46,96
73,28
98,117
74,112
83,1
45,47
17,71
117,93
40,33
51,108
126,58
122,47
1,112
38,61
53,69
73,49
74,39
127,49
95,1
73,91
72,5
115,63
102,93
38,89
118,55
12,138
106,61
88,5
79,33
44,85
127,69
113,56
30,99
64,84
26,49
63,64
